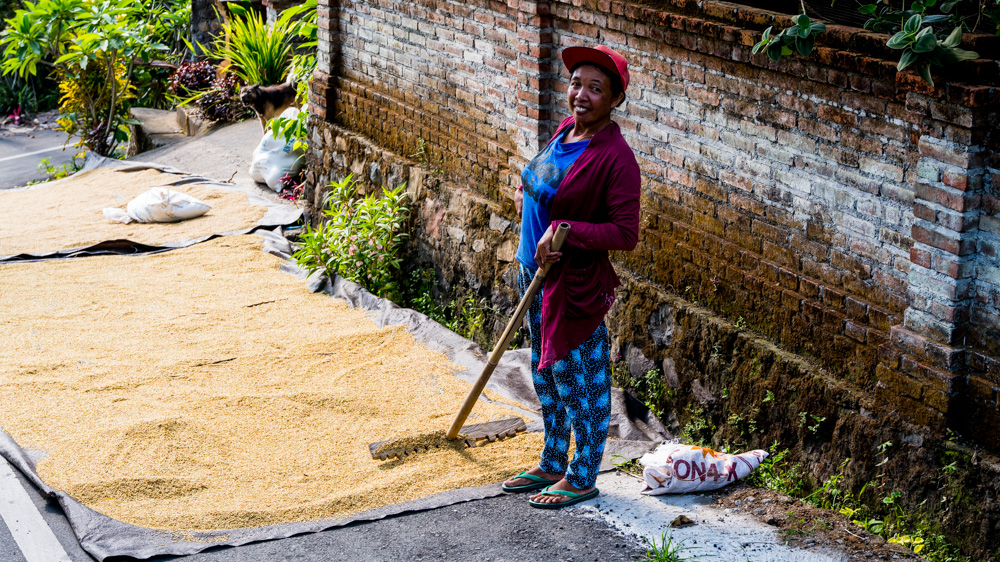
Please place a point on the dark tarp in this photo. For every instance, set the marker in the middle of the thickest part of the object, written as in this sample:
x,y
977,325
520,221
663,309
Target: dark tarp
x,y
277,214
635,429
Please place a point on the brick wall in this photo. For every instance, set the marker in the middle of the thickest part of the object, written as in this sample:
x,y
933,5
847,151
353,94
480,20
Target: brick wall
x,y
842,209
443,72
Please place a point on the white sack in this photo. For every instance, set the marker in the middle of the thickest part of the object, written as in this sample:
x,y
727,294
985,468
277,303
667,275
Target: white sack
x,y
158,205
675,468
273,158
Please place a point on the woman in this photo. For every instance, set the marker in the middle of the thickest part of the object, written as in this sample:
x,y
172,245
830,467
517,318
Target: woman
x,y
587,176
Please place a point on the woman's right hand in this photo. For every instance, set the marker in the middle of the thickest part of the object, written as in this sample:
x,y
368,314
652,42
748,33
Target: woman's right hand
x,y
518,200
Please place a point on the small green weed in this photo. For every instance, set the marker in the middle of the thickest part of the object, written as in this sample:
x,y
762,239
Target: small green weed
x,y
656,393
466,317
631,466
879,513
741,324
667,550
61,171
698,429
776,472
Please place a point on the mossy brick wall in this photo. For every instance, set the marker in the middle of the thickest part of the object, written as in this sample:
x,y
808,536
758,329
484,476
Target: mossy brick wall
x,y
442,72
842,209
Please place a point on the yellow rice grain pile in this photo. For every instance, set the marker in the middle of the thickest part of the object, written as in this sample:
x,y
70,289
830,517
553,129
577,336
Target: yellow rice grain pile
x,y
204,389
67,214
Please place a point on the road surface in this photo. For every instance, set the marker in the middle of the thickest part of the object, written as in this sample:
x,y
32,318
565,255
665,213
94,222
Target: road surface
x,y
21,153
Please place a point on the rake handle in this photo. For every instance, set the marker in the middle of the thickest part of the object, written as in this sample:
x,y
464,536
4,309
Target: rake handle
x,y
505,339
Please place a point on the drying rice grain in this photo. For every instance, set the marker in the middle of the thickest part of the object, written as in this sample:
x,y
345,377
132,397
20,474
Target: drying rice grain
x,y
67,214
204,389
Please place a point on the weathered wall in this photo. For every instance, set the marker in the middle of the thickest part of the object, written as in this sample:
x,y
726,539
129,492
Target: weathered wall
x,y
834,205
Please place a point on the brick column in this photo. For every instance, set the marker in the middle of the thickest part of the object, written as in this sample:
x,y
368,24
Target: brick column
x,y
535,69
932,367
321,87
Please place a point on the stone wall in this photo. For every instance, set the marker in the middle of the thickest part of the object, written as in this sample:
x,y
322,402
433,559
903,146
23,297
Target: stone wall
x,y
205,23
842,209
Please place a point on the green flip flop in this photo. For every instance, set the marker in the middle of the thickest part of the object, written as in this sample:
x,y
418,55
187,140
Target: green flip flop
x,y
574,498
537,483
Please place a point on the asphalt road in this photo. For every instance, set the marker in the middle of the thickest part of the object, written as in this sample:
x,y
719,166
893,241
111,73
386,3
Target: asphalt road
x,y
497,529
20,154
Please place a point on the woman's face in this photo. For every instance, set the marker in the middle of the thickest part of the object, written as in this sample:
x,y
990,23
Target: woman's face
x,y
590,97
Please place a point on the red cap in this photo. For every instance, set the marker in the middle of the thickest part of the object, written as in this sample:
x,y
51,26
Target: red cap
x,y
602,56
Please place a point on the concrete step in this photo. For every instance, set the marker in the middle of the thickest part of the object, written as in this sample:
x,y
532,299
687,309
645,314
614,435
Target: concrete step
x,y
156,128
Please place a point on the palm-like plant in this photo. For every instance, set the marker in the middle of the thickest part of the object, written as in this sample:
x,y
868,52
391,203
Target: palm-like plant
x,y
257,53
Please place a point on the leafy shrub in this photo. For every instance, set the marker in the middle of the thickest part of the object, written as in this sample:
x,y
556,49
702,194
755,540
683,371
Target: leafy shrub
x,y
191,78
167,24
359,239
94,49
221,101
95,107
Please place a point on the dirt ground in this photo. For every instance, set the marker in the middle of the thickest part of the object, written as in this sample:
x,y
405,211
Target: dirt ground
x,y
805,525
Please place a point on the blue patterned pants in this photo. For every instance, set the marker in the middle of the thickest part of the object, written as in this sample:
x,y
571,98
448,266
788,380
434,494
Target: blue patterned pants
x,y
575,393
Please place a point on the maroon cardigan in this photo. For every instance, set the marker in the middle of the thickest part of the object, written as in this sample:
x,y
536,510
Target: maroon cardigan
x,y
599,198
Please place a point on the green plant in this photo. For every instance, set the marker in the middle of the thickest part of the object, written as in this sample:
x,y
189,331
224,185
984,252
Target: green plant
x,y
92,47
881,513
630,466
655,393
776,472
922,49
17,94
667,550
418,294
61,171
469,317
697,429
801,35
360,238
167,24
303,63
921,44
258,53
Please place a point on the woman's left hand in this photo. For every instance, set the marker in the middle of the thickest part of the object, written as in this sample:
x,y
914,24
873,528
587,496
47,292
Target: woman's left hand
x,y
544,254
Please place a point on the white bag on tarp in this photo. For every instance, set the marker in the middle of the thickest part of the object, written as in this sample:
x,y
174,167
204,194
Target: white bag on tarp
x,y
158,205
675,468
273,158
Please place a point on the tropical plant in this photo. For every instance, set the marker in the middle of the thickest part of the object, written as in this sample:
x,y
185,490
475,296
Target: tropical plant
x,y
360,238
16,95
95,105
93,48
167,24
257,53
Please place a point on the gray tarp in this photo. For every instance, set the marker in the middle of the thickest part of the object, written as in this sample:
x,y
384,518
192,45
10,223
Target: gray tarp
x,y
277,214
103,537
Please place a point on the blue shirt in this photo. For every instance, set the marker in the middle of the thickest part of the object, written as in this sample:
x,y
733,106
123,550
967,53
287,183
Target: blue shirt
x,y
541,179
